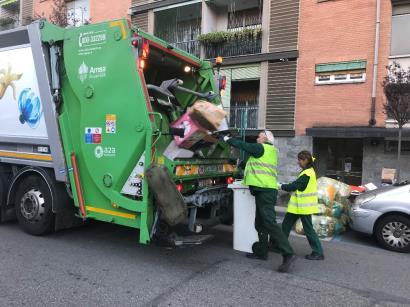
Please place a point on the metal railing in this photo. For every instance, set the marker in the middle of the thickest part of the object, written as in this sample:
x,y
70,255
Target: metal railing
x,y
243,117
233,48
193,47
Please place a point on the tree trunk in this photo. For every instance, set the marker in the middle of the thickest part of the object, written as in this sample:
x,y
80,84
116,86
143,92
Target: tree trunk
x,y
399,154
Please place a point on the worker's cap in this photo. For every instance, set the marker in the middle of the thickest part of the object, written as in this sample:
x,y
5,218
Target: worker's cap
x,y
269,136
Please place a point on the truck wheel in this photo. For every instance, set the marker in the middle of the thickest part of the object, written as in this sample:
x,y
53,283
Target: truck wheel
x,y
33,203
3,193
393,233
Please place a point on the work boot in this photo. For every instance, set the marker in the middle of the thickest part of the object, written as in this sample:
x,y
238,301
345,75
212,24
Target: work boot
x,y
314,256
255,256
287,263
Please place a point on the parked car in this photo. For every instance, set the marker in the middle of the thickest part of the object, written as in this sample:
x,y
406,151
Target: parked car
x,y
385,214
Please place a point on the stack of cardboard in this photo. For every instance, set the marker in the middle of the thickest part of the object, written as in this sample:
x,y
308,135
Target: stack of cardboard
x,y
203,117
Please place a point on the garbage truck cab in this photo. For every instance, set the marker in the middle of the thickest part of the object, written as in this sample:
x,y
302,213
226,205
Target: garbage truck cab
x,y
95,125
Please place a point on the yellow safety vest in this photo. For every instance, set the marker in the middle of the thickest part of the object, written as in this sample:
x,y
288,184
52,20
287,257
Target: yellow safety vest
x,y
306,202
262,172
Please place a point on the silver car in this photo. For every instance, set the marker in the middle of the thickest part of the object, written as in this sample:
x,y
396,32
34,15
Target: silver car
x,y
384,213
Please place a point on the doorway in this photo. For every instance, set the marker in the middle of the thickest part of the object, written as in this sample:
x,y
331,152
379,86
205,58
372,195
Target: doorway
x,y
340,159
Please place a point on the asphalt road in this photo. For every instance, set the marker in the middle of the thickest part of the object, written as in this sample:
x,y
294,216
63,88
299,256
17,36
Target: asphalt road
x,y
103,265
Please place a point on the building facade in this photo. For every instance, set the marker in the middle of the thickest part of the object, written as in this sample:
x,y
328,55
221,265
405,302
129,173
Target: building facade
x,y
14,13
310,71
345,47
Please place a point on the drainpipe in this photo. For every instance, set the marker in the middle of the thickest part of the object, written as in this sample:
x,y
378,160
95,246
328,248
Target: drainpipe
x,y
372,120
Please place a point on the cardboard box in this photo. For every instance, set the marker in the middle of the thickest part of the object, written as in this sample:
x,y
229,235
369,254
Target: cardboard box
x,y
207,115
389,175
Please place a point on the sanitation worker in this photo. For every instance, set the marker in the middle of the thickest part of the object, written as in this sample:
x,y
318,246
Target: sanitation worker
x,y
261,177
303,203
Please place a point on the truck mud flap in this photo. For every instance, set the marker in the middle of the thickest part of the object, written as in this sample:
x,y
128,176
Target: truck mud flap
x,y
168,198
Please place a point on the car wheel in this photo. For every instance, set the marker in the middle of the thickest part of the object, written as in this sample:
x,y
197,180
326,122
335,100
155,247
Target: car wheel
x,y
393,233
33,204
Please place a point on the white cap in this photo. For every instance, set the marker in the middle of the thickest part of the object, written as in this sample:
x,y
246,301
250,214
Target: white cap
x,y
269,136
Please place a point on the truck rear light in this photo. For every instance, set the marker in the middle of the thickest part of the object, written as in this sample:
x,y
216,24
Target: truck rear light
x,y
222,83
142,64
229,180
145,49
180,187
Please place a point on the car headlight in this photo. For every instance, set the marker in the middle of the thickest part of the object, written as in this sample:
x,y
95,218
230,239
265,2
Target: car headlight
x,y
363,199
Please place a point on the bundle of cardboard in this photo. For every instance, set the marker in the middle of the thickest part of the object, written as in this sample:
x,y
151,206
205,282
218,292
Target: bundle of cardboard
x,y
200,119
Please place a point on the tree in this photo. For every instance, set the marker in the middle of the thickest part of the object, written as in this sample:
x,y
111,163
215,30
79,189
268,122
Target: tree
x,y
396,87
61,16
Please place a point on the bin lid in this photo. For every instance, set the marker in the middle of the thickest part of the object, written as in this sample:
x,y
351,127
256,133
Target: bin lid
x,y
237,185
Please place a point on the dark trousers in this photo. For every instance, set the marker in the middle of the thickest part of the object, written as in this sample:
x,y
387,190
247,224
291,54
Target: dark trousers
x,y
290,220
265,223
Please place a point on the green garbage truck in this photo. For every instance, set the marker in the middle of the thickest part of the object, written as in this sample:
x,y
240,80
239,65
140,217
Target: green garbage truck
x,y
87,133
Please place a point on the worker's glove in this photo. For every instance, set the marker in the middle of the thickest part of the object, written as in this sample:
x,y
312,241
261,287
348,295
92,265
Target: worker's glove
x,y
223,137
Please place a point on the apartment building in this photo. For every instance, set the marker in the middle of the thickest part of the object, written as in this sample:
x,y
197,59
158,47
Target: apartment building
x,y
257,40
344,48
14,13
310,71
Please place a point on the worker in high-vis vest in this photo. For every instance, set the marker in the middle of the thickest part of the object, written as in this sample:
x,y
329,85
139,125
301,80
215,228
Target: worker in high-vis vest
x,y
303,203
261,177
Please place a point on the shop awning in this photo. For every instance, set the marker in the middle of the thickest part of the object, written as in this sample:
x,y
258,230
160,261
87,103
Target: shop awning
x,y
355,132
5,2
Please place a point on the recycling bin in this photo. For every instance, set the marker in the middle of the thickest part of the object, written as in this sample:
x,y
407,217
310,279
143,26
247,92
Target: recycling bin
x,y
244,208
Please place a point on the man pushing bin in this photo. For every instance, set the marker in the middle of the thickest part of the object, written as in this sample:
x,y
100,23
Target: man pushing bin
x,y
261,177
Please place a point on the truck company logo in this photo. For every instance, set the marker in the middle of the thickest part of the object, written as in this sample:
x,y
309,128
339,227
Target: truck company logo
x,y
85,72
98,152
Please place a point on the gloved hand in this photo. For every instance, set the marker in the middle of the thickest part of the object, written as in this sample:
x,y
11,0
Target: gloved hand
x,y
223,137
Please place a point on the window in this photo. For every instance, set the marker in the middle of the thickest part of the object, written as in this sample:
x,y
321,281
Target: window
x,y
340,72
245,19
339,77
180,26
78,12
392,146
400,31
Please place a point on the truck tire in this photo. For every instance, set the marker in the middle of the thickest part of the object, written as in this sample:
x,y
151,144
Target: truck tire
x,y
3,194
393,233
33,204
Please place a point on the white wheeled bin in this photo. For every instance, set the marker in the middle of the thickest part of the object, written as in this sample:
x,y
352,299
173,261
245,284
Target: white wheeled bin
x,y
244,233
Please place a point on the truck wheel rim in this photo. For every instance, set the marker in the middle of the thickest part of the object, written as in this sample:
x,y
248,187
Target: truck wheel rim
x,y
396,234
32,205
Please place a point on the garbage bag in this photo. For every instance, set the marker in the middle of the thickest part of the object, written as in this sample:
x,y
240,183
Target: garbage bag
x,y
323,225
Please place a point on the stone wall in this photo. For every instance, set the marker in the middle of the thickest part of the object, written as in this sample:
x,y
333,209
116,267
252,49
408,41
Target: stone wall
x,y
289,147
375,158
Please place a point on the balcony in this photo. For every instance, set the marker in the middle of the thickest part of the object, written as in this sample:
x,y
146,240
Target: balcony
x,y
8,23
193,47
232,42
243,117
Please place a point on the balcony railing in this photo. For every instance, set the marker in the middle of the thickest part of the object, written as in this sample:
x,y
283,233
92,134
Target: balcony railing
x,y
234,42
193,47
243,117
233,48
